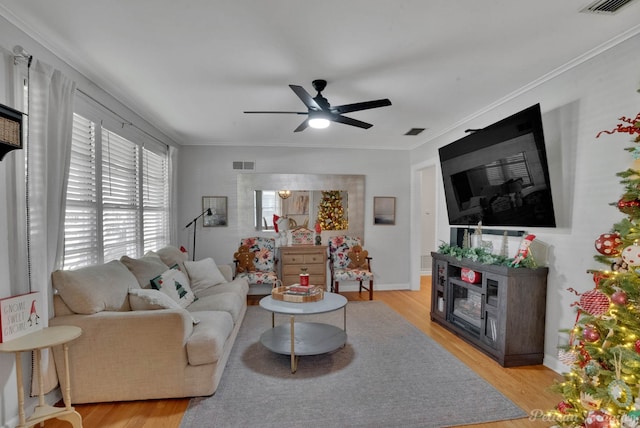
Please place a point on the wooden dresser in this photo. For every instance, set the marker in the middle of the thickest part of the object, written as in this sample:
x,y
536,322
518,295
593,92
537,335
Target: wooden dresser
x,y
312,257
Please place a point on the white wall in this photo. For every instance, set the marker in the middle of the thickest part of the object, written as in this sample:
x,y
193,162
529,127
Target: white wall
x,y
576,105
207,171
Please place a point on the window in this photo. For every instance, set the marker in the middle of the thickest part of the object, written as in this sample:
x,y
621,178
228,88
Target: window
x,y
266,205
512,167
117,197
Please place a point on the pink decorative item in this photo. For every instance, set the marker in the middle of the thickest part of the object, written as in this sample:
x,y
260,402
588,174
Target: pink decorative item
x,y
619,298
590,334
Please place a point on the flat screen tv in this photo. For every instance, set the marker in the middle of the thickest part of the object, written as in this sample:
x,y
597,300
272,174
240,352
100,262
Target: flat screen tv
x,y
499,174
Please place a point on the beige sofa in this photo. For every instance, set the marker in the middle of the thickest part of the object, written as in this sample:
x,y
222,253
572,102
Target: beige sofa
x,y
139,343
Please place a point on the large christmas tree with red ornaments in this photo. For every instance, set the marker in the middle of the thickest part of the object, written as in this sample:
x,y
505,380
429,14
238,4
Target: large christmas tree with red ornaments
x,y
602,388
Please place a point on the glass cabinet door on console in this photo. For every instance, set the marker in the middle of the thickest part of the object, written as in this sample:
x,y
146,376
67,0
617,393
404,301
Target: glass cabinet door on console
x,y
466,305
490,333
438,299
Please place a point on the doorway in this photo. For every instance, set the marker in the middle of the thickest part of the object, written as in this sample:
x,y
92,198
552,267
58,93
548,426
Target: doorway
x,y
427,218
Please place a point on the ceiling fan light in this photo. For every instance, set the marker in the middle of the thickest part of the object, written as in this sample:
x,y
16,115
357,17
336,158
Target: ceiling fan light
x,y
319,123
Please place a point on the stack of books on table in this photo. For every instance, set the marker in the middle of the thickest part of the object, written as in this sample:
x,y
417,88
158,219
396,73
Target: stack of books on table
x,y
301,290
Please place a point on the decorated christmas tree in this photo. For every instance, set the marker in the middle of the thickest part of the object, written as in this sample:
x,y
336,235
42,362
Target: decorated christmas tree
x,y
602,387
331,212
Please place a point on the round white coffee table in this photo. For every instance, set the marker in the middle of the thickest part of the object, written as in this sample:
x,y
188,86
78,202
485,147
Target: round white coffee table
x,y
304,338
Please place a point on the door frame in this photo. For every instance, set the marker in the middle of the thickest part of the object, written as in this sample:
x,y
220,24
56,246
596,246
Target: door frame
x,y
415,237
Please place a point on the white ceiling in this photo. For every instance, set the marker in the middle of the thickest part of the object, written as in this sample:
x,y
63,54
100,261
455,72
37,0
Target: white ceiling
x,y
192,67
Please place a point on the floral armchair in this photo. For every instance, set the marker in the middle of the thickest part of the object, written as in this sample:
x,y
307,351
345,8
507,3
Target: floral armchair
x,y
339,248
263,274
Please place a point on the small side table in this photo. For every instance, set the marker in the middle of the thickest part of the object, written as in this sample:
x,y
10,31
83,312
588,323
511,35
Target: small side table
x,y
36,341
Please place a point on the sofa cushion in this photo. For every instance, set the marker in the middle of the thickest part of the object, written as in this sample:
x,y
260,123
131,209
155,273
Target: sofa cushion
x,y
239,286
171,256
203,274
206,343
229,302
145,268
97,288
143,299
175,284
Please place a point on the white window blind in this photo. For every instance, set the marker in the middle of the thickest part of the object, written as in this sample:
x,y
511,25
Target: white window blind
x,y
117,197
81,243
120,196
155,200
511,167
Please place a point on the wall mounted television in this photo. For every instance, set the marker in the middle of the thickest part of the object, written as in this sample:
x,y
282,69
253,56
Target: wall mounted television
x,y
499,174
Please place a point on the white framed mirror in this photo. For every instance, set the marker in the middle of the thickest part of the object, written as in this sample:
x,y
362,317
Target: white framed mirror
x,y
249,216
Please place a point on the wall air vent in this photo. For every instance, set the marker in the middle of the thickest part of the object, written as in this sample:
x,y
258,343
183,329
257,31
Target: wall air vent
x,y
246,165
607,7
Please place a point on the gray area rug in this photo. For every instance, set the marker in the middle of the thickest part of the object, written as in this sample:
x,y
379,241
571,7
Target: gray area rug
x,y
389,374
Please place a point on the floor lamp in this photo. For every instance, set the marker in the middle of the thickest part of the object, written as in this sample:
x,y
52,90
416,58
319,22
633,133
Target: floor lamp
x,y
195,226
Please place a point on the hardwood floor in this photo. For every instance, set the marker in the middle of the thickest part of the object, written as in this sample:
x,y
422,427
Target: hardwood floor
x,y
525,386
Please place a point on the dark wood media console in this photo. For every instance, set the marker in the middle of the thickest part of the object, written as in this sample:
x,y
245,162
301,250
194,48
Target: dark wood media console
x,y
503,314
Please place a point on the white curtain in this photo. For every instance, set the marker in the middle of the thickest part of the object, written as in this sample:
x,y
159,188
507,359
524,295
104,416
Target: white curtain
x,y
51,96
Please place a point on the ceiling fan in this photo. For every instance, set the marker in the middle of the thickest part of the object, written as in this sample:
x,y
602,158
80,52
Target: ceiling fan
x,y
320,112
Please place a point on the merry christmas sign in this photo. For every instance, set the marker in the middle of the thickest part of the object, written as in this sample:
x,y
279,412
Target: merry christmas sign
x,y
20,315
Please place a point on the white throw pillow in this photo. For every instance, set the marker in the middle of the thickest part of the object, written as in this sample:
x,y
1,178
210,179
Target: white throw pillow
x,y
146,299
175,284
203,274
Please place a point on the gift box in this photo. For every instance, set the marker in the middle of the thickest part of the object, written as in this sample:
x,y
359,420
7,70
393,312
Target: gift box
x,y
471,276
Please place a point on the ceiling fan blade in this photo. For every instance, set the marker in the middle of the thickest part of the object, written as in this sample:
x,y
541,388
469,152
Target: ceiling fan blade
x,y
346,108
279,112
302,126
350,121
306,98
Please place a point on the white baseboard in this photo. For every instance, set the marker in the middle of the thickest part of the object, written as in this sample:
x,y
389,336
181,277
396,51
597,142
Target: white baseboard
x,y
353,286
554,364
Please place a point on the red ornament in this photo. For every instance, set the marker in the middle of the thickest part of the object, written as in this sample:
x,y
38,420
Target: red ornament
x,y
631,255
594,302
628,207
563,406
609,244
637,346
590,334
597,419
619,298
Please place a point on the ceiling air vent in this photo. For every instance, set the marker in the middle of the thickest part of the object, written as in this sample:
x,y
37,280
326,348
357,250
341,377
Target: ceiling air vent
x,y
414,131
247,165
607,7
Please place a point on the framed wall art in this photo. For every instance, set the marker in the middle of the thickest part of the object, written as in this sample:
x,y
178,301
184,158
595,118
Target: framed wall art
x,y
384,210
218,207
